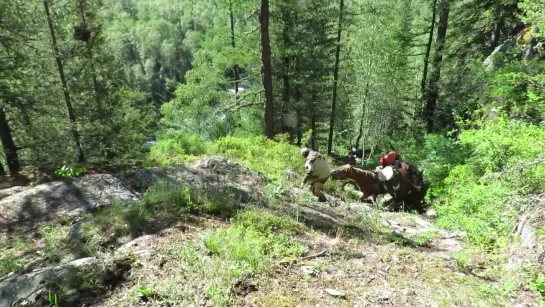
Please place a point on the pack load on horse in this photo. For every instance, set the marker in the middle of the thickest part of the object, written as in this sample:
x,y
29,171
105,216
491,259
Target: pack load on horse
x,y
316,172
391,166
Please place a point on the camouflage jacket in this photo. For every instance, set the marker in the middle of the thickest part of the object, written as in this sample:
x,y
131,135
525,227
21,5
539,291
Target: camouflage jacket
x,y
316,167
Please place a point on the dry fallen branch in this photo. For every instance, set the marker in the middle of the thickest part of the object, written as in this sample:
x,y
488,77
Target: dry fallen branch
x,y
320,254
235,109
252,15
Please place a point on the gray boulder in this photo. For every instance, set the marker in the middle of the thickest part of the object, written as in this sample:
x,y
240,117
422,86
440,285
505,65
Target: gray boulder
x,y
57,199
218,176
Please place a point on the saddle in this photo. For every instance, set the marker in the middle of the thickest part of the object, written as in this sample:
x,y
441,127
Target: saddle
x,y
389,179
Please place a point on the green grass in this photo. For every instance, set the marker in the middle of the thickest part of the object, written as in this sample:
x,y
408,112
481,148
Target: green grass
x,y
211,267
425,238
456,169
9,263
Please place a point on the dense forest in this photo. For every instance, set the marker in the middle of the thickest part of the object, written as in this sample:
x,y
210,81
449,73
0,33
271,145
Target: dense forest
x,y
88,80
456,87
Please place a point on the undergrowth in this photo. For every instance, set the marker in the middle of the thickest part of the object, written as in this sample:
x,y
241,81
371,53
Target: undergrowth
x,y
215,266
476,177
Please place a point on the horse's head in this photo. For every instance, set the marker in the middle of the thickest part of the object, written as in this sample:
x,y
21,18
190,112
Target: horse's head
x,y
342,173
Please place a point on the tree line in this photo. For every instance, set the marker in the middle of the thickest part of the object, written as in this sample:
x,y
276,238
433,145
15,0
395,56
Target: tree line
x,y
91,80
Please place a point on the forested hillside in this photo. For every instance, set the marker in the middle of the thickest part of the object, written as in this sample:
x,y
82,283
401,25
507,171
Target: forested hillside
x,y
457,87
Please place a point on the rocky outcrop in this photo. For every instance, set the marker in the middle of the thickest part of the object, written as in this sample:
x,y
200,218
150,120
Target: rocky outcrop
x,y
215,175
531,47
61,199
30,288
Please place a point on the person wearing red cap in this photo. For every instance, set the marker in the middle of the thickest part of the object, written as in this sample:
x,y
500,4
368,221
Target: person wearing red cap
x,y
389,159
394,159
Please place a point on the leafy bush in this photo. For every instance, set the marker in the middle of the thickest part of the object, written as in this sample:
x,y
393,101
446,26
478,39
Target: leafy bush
x,y
68,171
252,243
517,89
266,156
177,147
481,204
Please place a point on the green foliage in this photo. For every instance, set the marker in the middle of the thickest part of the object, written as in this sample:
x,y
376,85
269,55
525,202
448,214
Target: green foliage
x,y
245,248
425,238
248,243
175,147
534,14
164,202
52,299
268,157
538,284
55,238
168,197
439,155
267,223
483,206
9,263
517,90
67,171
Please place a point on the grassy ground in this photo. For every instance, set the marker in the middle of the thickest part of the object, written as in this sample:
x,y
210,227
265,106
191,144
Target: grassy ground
x,y
259,258
185,255
264,260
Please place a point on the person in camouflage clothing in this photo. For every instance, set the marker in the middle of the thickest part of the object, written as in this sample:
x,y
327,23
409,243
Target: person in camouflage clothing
x,y
316,172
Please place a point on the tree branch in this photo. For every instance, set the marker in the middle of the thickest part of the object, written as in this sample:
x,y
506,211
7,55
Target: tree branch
x,y
251,15
518,167
250,104
237,105
248,33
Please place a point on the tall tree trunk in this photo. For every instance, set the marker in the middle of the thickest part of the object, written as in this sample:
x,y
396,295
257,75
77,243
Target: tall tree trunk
x,y
335,80
81,7
235,67
71,115
266,69
498,24
298,132
286,62
428,48
313,122
10,150
432,91
364,108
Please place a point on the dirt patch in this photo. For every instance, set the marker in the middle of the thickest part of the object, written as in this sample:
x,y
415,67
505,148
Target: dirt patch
x,y
368,275
157,258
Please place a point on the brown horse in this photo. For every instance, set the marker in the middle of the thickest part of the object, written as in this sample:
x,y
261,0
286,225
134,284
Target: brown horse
x,y
365,181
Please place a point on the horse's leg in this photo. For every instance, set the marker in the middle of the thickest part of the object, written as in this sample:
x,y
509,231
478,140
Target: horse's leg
x,y
364,196
348,182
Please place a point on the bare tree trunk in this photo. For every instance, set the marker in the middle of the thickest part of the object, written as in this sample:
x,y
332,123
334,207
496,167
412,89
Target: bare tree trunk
x,y
266,69
96,88
286,61
428,48
498,24
313,123
10,150
71,115
299,133
235,67
363,112
335,80
432,91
